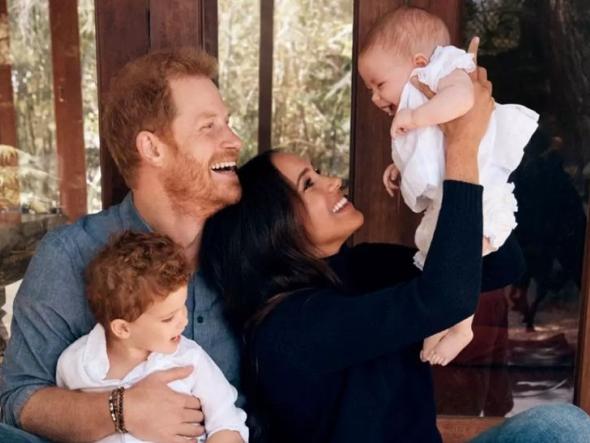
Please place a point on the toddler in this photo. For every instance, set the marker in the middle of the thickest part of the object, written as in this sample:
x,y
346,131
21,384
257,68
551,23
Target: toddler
x,y
137,289
410,42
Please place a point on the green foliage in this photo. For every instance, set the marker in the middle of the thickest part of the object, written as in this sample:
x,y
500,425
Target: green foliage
x,y
33,92
33,98
311,78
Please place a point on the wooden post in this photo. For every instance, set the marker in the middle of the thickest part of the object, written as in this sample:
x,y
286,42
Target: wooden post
x,y
265,75
129,29
582,391
7,114
67,87
386,219
9,183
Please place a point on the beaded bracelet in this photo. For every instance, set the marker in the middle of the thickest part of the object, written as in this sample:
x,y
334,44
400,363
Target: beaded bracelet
x,y
116,409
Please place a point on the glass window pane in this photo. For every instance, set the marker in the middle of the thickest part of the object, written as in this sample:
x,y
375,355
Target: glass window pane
x,y
239,46
90,103
312,81
33,99
526,335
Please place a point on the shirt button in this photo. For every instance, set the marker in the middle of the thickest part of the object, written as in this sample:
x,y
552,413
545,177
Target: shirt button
x,y
200,319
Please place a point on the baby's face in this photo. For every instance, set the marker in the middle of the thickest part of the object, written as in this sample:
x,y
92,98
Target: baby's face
x,y
385,74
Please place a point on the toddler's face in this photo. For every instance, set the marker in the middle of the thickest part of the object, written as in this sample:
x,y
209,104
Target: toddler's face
x,y
159,328
385,74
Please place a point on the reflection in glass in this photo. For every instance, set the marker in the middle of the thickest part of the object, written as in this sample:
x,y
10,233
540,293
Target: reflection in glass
x,y
526,335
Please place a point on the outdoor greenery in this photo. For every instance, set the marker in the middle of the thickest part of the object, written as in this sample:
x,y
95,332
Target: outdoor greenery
x,y
33,99
312,66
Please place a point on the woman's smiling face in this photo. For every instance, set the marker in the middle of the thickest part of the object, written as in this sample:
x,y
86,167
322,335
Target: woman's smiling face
x,y
329,218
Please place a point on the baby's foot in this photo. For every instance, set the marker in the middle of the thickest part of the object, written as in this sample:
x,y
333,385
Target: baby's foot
x,y
430,343
449,346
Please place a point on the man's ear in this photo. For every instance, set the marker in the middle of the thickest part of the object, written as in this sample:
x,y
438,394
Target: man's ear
x,y
120,328
420,60
149,147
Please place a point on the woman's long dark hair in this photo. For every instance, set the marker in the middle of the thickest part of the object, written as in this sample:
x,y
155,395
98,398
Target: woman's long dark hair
x,y
256,252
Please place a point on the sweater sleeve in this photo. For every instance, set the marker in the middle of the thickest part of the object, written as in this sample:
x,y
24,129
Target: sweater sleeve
x,y
503,267
324,331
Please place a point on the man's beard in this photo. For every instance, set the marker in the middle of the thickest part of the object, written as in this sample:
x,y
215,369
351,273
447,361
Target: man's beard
x,y
191,189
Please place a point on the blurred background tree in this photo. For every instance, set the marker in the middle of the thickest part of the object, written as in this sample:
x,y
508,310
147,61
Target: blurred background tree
x,y
311,77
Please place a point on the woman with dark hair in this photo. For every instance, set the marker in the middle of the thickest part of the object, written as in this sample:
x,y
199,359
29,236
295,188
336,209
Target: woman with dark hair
x,y
332,334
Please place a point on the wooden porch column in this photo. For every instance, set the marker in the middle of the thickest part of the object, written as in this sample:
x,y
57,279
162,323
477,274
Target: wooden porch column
x,y
67,87
10,198
129,29
386,219
7,113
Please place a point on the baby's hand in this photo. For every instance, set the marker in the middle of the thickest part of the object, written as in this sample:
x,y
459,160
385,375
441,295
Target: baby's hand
x,y
390,177
402,122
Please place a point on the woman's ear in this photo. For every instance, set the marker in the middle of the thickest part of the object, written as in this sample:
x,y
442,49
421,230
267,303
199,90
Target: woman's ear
x,y
420,60
120,328
149,147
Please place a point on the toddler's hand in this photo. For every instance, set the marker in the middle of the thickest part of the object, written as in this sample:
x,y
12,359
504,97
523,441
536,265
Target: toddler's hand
x,y
390,177
402,122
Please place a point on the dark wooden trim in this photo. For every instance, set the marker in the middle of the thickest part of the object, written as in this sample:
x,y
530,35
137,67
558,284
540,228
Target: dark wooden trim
x,y
8,135
386,219
209,26
122,34
67,87
462,429
265,75
175,23
582,391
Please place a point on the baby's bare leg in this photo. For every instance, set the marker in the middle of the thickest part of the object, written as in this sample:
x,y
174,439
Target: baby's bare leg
x,y
430,343
452,343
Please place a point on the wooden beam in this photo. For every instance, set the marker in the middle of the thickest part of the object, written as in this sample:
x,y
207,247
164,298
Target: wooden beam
x,y
265,75
209,26
122,34
67,87
8,135
386,219
175,23
127,30
582,391
10,186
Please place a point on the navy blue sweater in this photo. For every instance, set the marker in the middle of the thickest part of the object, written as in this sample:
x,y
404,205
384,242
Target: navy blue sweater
x,y
342,365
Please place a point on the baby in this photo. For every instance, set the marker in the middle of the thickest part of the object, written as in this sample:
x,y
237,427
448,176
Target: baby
x,y
137,289
410,42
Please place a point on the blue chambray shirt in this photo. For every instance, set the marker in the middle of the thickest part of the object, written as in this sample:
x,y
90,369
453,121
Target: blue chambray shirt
x,y
50,309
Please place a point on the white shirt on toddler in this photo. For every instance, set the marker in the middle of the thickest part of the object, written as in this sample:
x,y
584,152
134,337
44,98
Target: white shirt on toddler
x,y
419,155
84,365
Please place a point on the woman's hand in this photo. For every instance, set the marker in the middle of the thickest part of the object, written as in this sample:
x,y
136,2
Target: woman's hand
x,y
463,135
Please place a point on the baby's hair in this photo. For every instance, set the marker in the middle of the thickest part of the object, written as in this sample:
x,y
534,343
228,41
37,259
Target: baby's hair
x,y
407,31
132,271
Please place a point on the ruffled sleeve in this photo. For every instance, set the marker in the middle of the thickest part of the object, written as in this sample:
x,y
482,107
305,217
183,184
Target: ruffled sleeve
x,y
444,60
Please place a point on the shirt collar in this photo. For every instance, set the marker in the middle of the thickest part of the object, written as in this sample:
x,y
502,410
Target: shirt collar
x,y
130,216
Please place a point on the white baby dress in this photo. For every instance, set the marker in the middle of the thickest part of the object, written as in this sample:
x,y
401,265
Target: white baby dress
x,y
419,155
